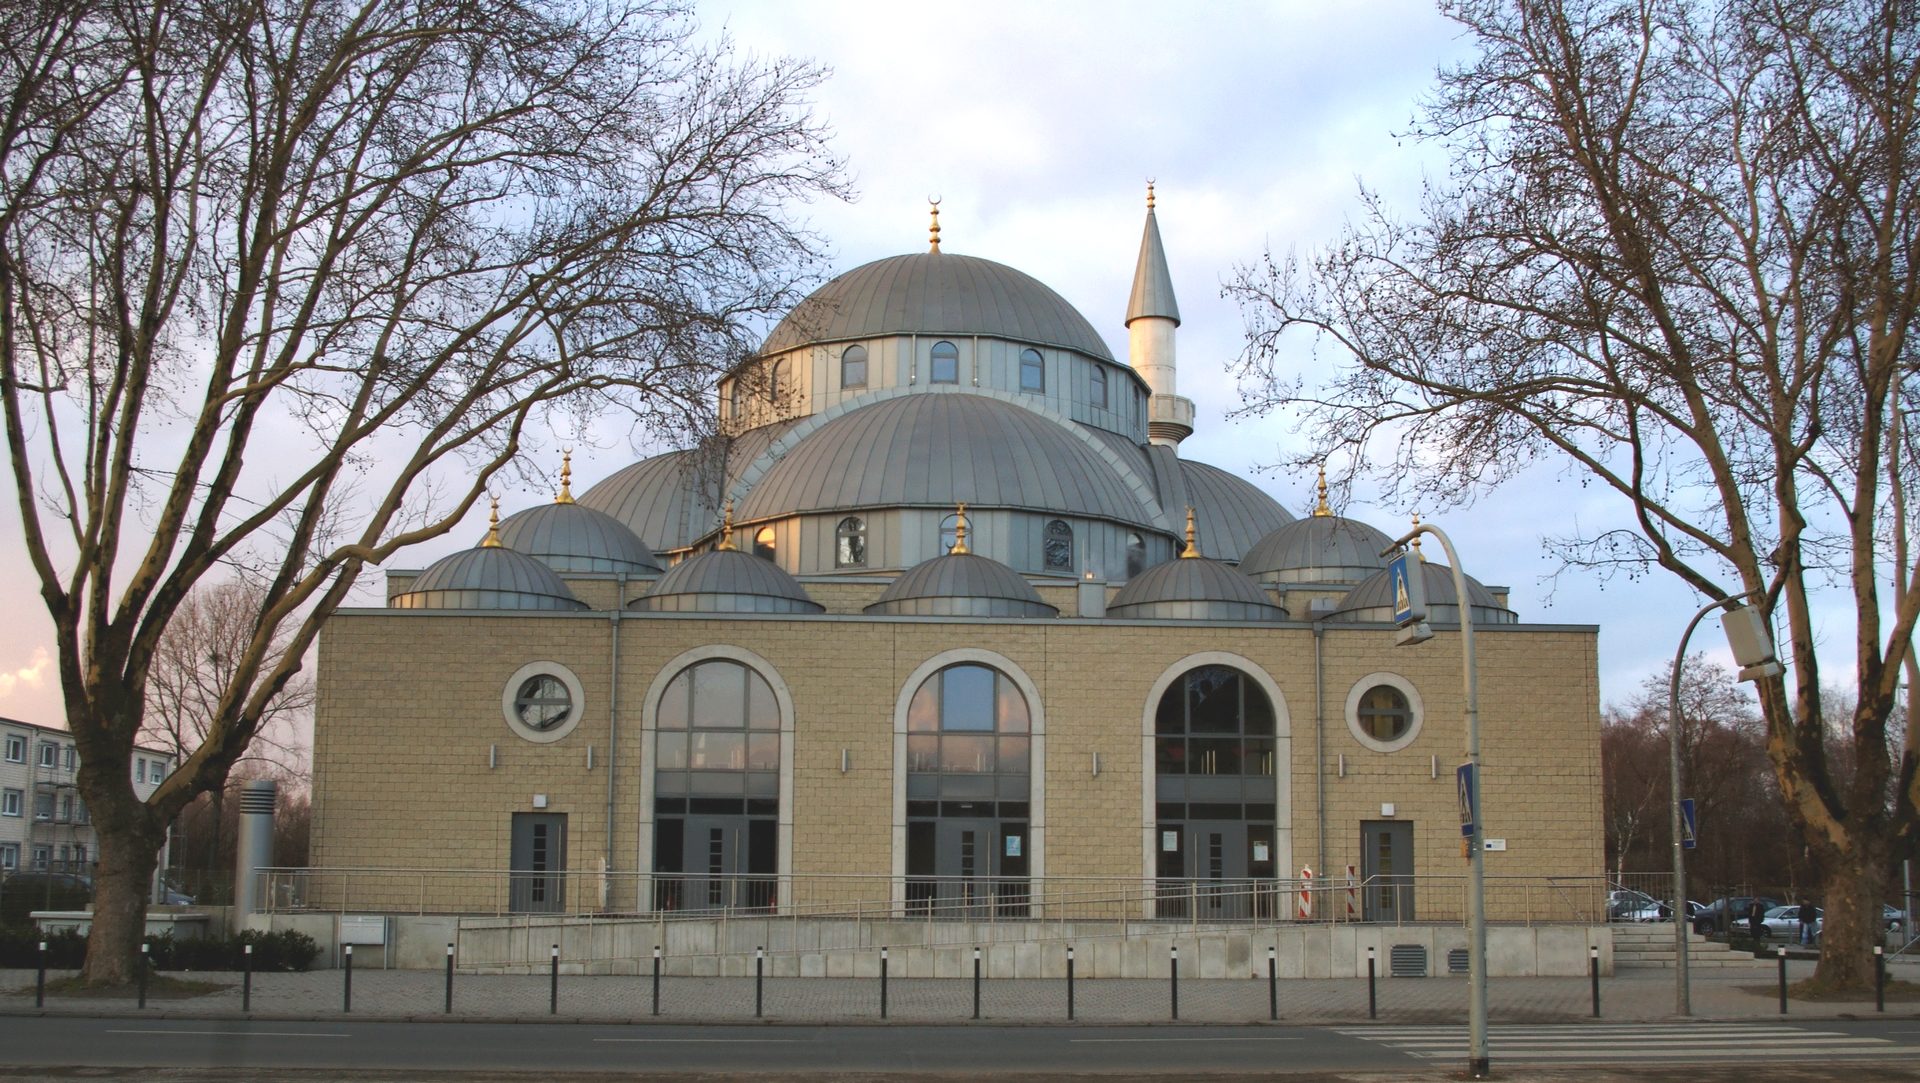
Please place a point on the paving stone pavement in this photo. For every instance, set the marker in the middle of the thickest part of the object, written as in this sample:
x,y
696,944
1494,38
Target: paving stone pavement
x,y
416,994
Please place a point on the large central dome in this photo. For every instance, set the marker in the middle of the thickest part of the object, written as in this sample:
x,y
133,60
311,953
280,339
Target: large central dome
x,y
936,293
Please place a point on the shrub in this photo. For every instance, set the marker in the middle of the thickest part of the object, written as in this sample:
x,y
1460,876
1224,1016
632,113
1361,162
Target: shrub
x,y
281,951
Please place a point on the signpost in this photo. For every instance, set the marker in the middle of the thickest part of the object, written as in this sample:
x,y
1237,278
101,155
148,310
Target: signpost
x,y
1409,582
1688,835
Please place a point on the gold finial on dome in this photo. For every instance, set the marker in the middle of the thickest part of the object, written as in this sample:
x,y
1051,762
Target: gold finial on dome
x,y
492,540
933,231
726,531
1149,193
566,478
1192,550
960,532
1321,510
1416,526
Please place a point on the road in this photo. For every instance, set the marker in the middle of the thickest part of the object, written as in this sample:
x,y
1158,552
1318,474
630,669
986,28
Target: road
x,y
56,1047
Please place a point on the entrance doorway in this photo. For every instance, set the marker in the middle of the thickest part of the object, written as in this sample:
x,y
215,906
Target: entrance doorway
x,y
1386,864
969,774
1215,797
1216,869
538,863
715,862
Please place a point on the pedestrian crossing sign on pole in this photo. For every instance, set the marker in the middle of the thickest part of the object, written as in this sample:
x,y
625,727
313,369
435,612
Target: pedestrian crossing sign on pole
x,y
1688,835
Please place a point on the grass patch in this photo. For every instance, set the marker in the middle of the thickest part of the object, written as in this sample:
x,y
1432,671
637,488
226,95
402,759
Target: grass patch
x,y
159,987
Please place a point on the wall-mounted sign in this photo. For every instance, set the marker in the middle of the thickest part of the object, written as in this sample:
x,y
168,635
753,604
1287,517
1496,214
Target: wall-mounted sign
x,y
1260,852
1013,846
1170,841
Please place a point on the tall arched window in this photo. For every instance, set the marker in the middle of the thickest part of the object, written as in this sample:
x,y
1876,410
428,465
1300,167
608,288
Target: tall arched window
x,y
1099,394
1136,555
969,767
1215,794
853,367
1057,551
763,542
946,364
777,387
734,400
716,784
1033,371
850,543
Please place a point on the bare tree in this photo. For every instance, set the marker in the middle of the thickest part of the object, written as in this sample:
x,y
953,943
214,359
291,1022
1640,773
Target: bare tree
x,y
1676,250
271,271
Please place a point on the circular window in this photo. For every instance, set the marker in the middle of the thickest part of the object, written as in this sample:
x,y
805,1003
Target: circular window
x,y
543,701
1384,712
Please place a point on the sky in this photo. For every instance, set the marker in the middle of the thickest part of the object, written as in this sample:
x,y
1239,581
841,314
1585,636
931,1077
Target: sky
x,y
1038,125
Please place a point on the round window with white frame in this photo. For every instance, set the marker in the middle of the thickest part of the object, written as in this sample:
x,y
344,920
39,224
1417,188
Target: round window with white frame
x,y
1384,712
542,702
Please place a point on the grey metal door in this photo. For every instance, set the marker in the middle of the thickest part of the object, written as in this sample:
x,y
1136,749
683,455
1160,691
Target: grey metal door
x,y
1386,865
538,876
963,852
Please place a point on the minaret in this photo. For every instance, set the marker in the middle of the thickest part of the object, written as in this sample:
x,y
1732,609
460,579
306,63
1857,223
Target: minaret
x,y
1152,316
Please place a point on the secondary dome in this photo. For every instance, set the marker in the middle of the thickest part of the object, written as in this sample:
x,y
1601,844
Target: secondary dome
x,y
1193,588
1318,549
936,293
571,537
1233,514
961,585
726,581
1372,600
488,577
937,449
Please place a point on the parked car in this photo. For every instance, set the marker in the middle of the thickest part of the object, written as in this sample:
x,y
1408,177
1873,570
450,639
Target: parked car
x,y
1625,904
1715,916
1784,922
1662,910
21,893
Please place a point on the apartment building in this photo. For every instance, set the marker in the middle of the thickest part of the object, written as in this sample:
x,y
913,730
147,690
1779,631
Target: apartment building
x,y
44,824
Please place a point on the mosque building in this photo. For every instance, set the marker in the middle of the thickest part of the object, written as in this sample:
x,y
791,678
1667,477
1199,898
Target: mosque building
x,y
941,621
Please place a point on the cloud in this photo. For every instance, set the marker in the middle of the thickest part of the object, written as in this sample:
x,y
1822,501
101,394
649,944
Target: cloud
x,y
28,678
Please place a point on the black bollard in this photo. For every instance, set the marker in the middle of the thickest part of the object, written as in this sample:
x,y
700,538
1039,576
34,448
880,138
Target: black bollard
x,y
656,979
1069,983
1173,979
346,996
759,978
883,983
1273,988
40,982
449,979
553,987
246,979
143,973
1783,981
1593,968
1879,978
1373,1003
976,983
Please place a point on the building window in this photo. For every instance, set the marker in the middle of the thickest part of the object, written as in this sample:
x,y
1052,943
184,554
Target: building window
x,y
716,779
542,702
850,543
1214,720
734,396
1058,546
140,769
16,748
9,856
1384,712
80,815
43,807
946,364
10,802
1099,395
49,755
66,808
777,387
1136,555
80,856
853,367
763,543
157,770
68,758
1033,371
41,856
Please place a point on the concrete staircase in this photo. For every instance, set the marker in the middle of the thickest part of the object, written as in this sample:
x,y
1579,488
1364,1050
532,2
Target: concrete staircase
x,y
1649,946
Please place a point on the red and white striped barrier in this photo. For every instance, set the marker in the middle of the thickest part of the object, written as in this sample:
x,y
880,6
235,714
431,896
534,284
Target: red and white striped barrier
x,y
1306,892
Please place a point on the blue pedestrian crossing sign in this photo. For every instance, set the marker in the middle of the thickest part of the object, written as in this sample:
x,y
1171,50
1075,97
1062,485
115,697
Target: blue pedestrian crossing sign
x,y
1463,782
1409,584
1688,836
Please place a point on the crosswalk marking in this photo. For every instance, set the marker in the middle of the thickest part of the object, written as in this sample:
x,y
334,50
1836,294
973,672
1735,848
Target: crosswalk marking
x,y
1563,1043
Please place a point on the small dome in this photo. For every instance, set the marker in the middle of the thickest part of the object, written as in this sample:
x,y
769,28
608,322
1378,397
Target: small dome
x,y
726,581
937,293
961,585
1317,549
659,499
487,577
1372,600
1233,513
1193,588
572,537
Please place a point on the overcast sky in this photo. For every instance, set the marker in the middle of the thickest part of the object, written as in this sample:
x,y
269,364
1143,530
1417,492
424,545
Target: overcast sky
x,y
1038,125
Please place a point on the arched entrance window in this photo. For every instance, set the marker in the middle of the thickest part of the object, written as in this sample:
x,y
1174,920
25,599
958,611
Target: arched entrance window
x,y
1215,794
969,773
716,785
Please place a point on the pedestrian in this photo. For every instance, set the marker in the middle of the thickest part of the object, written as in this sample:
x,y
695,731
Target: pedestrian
x,y
1756,919
1808,916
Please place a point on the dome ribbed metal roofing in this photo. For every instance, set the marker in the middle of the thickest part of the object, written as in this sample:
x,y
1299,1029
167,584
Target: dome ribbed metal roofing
x,y
575,538
1193,588
665,500
936,293
1318,549
1372,599
487,578
726,581
961,585
1233,514
937,449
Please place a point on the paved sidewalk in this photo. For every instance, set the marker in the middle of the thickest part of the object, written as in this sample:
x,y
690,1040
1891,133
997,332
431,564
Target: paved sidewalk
x,y
1635,996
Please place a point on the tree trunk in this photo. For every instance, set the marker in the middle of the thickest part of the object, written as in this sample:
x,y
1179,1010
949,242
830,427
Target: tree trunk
x,y
128,854
1851,925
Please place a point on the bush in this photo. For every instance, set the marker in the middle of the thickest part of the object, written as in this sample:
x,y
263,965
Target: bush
x,y
282,951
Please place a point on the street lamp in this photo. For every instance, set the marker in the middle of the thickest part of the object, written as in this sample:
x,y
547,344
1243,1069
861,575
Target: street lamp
x,y
1753,649
1410,614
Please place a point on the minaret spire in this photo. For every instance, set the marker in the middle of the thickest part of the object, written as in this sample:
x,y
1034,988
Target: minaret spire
x,y
1152,316
933,230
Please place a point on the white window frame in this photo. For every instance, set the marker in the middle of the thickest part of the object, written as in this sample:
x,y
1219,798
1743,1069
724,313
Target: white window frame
x,y
13,803
9,856
16,748
1416,711
49,754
